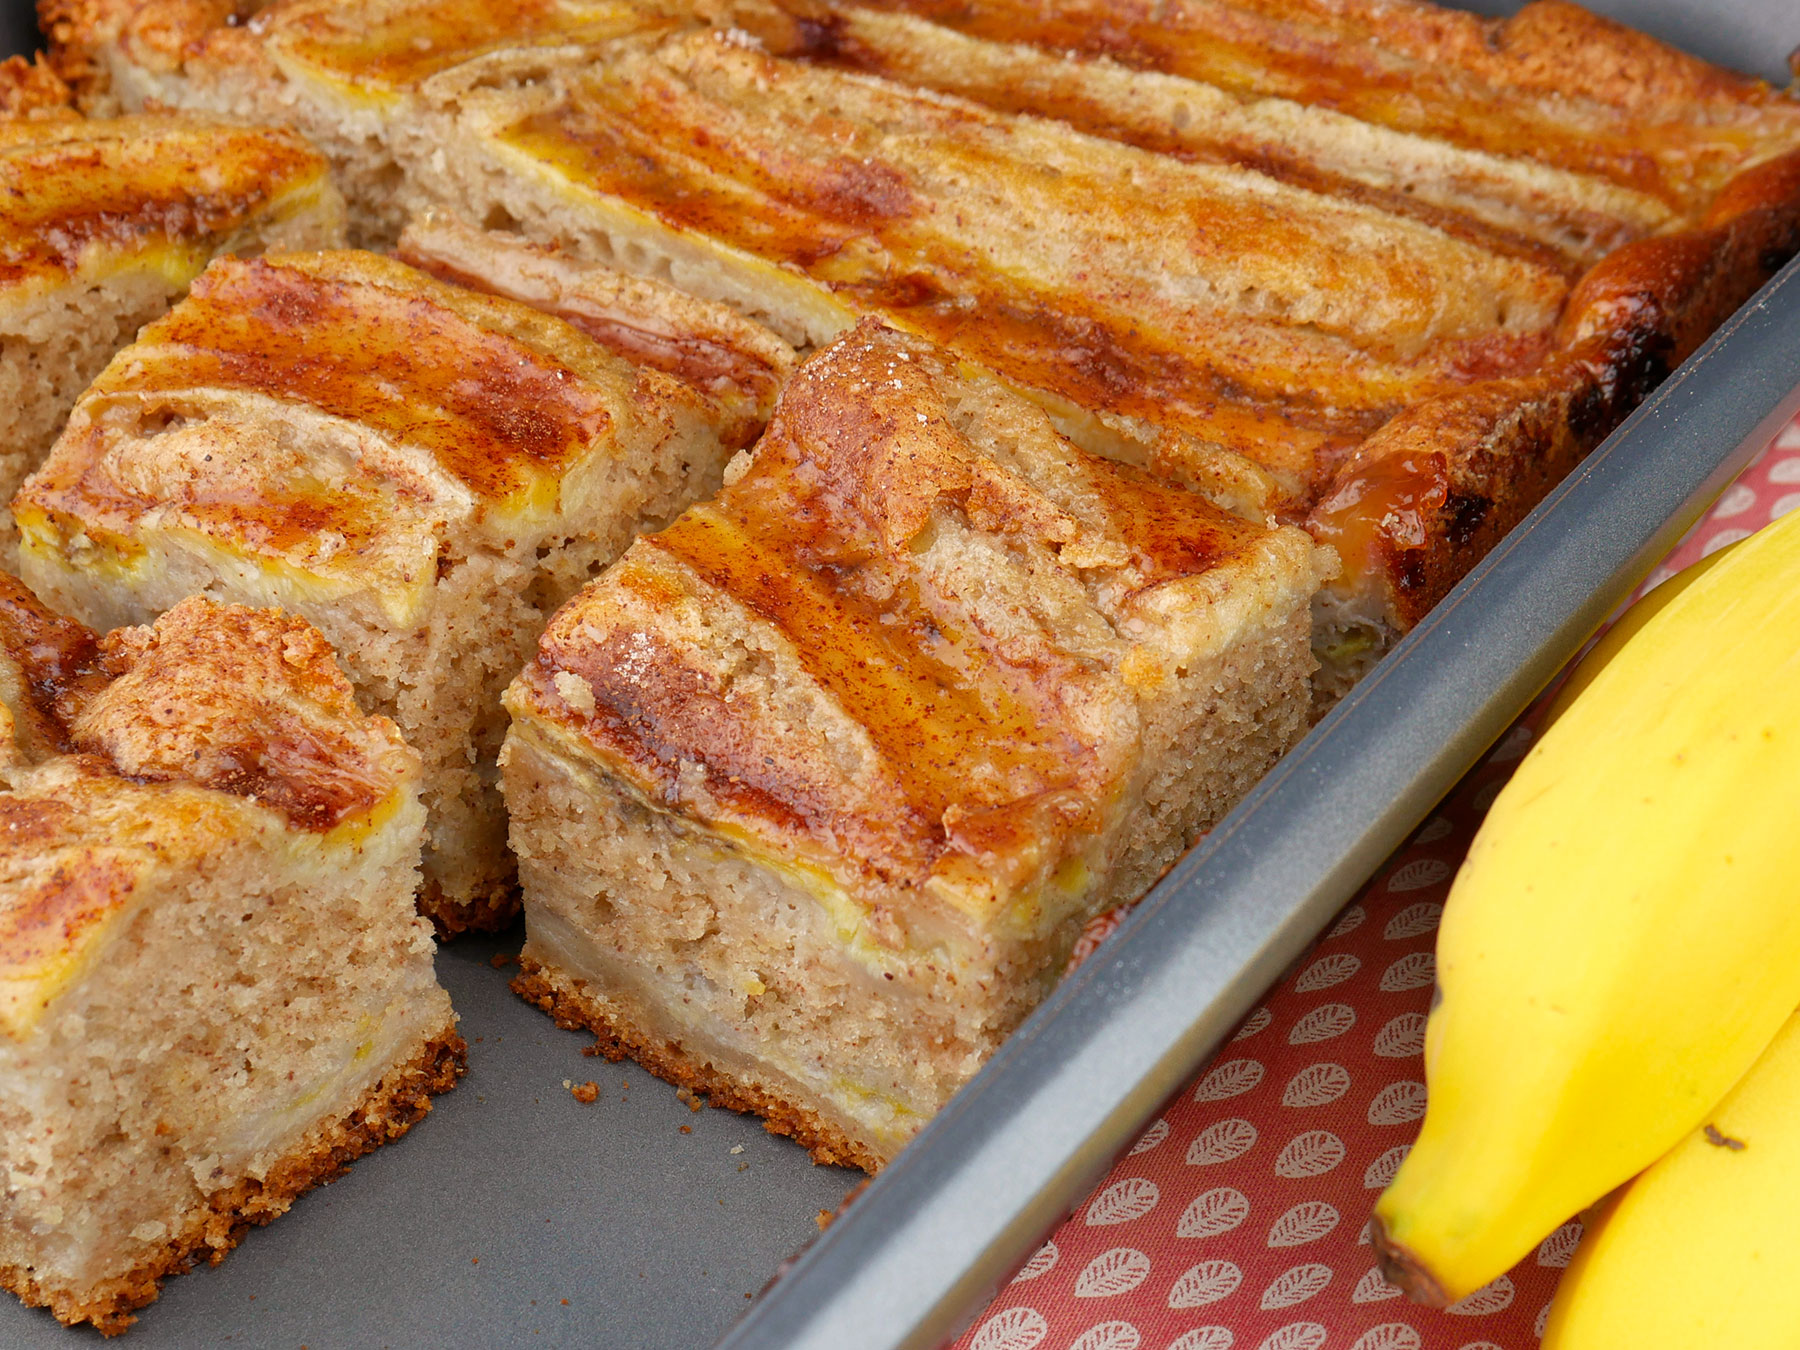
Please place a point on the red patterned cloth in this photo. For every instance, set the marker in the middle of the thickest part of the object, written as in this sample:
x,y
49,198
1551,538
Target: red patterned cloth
x,y
1239,1220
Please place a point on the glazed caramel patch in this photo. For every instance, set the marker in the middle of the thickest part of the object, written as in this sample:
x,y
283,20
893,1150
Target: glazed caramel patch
x,y
492,411
68,189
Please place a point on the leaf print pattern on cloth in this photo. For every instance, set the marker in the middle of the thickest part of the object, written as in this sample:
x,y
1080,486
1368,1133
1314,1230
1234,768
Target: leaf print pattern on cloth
x,y
1316,1085
1130,1199
1221,1142
1304,1223
1223,1171
1112,1273
1312,1154
1109,1336
1233,1078
1206,1283
1295,1285
1323,1023
1213,1212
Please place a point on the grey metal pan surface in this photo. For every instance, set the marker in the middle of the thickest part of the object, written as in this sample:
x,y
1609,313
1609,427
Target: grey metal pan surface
x,y
512,1198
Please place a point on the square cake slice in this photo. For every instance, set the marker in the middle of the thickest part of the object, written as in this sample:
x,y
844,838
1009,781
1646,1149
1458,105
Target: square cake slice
x,y
215,990
102,226
422,471
813,791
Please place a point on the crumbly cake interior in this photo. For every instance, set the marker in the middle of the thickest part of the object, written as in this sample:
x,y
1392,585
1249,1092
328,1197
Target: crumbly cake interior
x,y
430,473
788,838
214,987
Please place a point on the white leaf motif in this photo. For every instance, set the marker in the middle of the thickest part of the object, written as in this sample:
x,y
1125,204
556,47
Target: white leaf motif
x,y
1108,1336
1012,1329
1348,922
1316,1085
1402,1038
1412,971
1322,1023
1213,1212
1312,1154
1383,1170
1123,1201
1543,1320
1418,874
1368,1232
1433,830
1233,1078
1205,1283
1479,1345
1306,1222
1558,1249
1398,1104
1517,741
1327,971
1388,1336
1296,1336
1042,1262
1255,1022
1483,800
1489,1299
1222,1141
1111,1273
1158,1131
1413,921
1295,1286
1373,1287
1204,1338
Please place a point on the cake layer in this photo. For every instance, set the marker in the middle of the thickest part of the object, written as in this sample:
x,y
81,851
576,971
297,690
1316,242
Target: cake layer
x,y
421,470
817,785
214,987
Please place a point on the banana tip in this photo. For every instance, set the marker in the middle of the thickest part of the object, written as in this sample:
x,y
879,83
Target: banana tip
x,y
1403,1270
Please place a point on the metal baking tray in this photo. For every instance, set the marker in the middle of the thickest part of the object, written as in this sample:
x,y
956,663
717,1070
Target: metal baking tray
x,y
516,1216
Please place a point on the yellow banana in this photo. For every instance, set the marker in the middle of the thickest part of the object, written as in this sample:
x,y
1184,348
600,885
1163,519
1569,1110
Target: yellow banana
x,y
1702,1250
1624,939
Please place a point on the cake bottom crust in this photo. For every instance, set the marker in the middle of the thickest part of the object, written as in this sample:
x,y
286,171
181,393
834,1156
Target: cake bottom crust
x,y
393,1106
574,1006
490,912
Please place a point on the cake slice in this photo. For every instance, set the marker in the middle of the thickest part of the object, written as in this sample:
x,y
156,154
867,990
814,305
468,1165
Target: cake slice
x,y
214,988
102,226
422,471
813,791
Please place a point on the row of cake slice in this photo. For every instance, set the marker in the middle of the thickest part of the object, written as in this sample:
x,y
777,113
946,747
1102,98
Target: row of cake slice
x,y
1393,270
811,790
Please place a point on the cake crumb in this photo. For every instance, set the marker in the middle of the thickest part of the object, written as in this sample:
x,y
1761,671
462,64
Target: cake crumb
x,y
737,1148
687,1129
565,1303
694,1103
824,1219
586,1094
501,959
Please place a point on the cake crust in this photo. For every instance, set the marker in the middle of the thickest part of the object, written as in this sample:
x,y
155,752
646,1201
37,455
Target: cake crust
x,y
393,1106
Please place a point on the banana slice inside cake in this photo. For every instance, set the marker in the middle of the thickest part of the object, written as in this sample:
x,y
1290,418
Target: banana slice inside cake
x,y
813,790
422,471
215,989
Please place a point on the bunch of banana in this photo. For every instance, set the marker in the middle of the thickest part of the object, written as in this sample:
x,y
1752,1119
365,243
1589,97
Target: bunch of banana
x,y
1624,939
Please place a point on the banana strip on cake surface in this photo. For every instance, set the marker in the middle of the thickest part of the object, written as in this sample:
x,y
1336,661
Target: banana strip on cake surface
x,y
103,223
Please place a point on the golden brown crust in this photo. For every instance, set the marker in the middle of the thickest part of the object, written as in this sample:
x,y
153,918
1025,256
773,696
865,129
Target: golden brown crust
x,y
393,1106
1425,498
491,912
32,89
78,188
567,1002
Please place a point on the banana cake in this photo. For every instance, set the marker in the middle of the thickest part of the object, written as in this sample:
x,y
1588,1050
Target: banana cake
x,y
813,791
1384,267
421,470
215,990
102,226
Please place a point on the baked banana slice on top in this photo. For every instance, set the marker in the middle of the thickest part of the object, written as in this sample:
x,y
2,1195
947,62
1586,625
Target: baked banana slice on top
x,y
102,226
813,791
423,471
215,989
